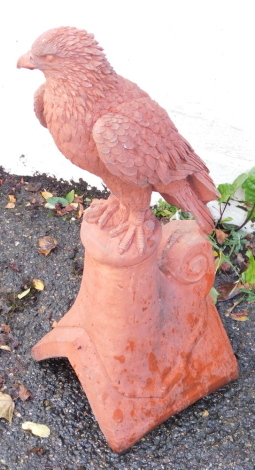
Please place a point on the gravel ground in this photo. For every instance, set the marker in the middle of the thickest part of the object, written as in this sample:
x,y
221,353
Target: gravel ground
x,y
215,433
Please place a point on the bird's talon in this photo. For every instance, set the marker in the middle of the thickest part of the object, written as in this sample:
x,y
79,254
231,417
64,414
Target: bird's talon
x,y
101,211
118,230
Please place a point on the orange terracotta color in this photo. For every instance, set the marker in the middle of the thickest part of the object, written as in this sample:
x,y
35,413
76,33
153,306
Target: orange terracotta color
x,y
107,125
143,334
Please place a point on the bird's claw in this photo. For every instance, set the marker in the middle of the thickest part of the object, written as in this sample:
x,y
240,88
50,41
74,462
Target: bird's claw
x,y
101,211
135,226
139,230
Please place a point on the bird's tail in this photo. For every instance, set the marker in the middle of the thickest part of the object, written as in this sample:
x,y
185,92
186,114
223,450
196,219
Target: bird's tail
x,y
203,185
182,195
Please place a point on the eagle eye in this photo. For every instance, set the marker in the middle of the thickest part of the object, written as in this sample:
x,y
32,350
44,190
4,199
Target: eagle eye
x,y
49,57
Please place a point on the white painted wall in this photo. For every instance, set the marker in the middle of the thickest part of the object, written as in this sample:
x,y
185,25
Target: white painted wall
x,y
195,57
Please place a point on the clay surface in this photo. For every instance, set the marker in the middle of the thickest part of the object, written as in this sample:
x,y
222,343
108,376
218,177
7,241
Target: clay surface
x,y
107,125
143,334
144,338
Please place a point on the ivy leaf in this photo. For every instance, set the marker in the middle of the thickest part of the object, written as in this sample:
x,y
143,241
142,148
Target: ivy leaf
x,y
6,406
249,186
70,196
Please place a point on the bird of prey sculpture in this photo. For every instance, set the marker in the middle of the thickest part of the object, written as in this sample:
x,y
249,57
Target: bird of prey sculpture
x,y
108,126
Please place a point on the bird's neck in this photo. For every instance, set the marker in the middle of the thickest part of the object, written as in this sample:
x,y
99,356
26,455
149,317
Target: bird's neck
x,y
80,81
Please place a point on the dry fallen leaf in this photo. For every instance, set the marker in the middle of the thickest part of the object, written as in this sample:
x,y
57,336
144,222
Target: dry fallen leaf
x,y
24,393
1,380
227,290
6,406
64,210
78,198
24,293
38,450
46,194
205,413
5,348
220,236
81,211
10,205
37,284
14,267
5,328
47,244
240,316
12,198
37,429
54,324
225,266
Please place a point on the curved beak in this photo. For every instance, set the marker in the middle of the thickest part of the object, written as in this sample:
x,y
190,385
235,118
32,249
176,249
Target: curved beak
x,y
25,62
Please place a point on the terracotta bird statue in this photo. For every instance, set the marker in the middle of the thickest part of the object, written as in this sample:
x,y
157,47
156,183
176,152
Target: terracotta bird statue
x,y
108,126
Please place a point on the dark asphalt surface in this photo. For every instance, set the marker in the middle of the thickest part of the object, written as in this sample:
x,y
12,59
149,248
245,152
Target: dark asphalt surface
x,y
223,438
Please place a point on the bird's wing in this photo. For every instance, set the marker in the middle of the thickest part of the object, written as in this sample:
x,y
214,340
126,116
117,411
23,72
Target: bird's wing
x,y
39,104
139,143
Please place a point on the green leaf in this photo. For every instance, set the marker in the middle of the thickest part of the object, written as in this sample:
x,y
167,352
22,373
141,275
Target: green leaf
x,y
250,294
249,186
238,182
49,206
70,196
214,294
227,219
165,213
57,200
249,274
226,190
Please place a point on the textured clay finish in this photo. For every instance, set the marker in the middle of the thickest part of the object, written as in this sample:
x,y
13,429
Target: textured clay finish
x,y
145,339
107,125
143,334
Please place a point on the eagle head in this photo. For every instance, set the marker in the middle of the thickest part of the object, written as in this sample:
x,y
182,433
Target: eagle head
x,y
64,50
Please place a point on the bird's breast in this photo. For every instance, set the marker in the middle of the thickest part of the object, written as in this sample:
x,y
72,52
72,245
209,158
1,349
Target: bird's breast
x,y
70,125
